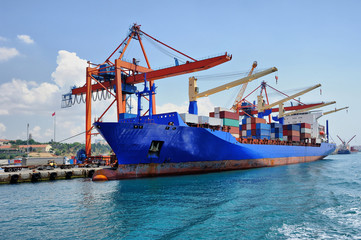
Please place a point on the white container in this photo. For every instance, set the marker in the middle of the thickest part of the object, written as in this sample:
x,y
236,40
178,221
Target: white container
x,y
189,118
215,121
216,115
203,120
248,126
273,135
306,130
249,120
244,133
285,138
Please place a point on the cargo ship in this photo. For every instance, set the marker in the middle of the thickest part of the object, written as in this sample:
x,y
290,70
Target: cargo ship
x,y
345,147
170,144
173,143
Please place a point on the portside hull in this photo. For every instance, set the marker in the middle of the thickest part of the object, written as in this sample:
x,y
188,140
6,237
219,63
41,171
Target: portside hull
x,y
125,171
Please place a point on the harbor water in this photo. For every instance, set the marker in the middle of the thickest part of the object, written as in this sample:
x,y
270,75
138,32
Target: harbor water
x,y
317,200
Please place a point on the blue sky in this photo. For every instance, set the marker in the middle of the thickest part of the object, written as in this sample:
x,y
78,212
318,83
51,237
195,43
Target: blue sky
x,y
309,42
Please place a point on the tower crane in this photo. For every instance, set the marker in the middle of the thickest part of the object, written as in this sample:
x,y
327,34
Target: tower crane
x,y
238,99
194,91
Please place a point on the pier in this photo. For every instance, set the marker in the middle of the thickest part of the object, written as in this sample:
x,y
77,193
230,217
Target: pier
x,y
35,175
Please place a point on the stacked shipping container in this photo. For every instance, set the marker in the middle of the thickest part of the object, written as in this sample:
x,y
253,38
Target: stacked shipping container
x,y
256,128
305,132
291,133
276,131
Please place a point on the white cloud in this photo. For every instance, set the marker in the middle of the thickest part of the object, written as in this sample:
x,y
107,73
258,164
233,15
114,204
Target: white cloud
x,y
2,39
7,53
26,39
20,96
41,135
2,128
70,70
4,112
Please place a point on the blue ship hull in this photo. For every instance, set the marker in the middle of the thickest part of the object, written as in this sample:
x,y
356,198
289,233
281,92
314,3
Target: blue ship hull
x,y
165,145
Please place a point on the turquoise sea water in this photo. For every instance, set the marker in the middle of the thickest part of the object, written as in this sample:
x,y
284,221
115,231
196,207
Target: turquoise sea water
x,y
318,200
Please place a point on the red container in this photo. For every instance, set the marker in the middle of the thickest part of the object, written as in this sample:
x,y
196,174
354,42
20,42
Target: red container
x,y
253,132
258,120
230,115
253,126
294,133
291,133
305,135
293,138
244,127
211,114
233,130
305,125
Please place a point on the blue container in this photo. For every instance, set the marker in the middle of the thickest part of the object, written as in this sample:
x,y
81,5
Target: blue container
x,y
294,127
276,125
260,132
71,161
249,132
278,135
262,126
276,130
244,121
264,137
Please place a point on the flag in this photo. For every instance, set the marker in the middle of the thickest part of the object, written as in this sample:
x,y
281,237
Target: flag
x,y
53,114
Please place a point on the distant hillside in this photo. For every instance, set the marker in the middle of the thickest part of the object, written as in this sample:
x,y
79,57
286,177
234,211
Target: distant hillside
x,y
58,149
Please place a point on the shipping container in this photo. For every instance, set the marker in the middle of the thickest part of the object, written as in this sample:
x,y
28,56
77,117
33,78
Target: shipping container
x,y
203,120
229,115
230,122
263,126
215,121
189,118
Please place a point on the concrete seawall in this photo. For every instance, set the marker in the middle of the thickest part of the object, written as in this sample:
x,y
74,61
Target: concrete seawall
x,y
28,175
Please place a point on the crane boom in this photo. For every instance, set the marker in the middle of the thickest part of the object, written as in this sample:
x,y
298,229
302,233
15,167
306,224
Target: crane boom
x,y
305,110
332,111
343,142
351,139
243,89
287,98
193,95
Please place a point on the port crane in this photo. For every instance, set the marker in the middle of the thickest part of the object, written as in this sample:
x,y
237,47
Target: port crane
x,y
344,142
237,101
263,109
118,78
333,111
194,91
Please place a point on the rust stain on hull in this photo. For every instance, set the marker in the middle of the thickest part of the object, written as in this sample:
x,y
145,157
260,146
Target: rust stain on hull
x,y
125,171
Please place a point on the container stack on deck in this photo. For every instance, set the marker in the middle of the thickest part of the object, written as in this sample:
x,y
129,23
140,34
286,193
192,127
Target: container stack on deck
x,y
230,122
276,131
291,133
305,132
256,128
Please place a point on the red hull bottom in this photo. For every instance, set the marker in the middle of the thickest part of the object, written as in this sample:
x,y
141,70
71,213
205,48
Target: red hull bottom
x,y
126,171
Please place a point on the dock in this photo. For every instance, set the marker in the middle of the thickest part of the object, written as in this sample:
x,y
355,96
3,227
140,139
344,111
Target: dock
x,y
35,175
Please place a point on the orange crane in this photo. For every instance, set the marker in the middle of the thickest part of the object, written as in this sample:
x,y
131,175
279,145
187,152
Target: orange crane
x,y
121,76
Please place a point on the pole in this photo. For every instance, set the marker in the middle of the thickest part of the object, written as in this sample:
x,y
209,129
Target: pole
x,y
27,140
54,126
